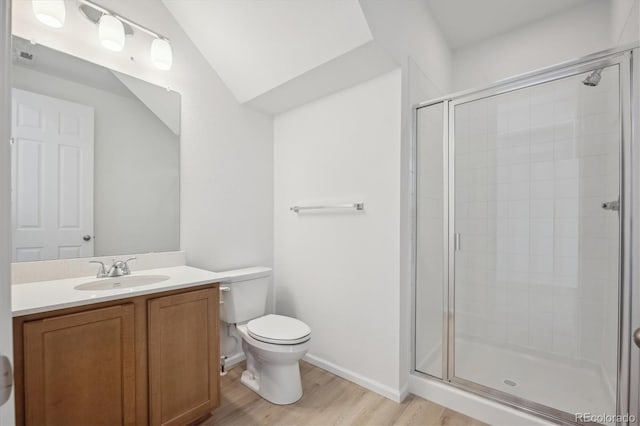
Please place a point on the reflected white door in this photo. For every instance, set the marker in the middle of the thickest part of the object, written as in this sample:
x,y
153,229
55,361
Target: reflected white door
x,y
52,177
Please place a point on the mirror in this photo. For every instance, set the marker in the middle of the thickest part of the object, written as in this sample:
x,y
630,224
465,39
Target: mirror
x,y
95,159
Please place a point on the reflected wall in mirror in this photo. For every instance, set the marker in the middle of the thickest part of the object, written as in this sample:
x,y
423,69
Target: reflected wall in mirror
x,y
95,159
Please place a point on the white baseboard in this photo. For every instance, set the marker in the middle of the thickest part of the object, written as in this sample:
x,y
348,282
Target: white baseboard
x,y
397,395
234,359
475,406
404,392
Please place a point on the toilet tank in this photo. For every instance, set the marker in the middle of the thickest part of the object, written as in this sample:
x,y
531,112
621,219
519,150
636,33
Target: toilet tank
x,y
244,294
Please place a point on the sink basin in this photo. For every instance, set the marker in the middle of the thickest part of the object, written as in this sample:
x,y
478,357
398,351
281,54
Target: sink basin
x,y
121,282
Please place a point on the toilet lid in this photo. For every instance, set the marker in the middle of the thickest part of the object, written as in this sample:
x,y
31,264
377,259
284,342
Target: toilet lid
x,y
278,329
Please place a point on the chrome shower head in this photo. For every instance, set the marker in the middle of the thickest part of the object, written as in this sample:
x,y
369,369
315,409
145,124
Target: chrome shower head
x,y
593,79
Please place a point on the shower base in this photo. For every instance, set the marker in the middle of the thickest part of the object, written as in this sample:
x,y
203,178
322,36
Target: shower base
x,y
568,387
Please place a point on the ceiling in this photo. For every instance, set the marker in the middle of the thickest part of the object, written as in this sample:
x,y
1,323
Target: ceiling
x,y
464,22
53,62
256,46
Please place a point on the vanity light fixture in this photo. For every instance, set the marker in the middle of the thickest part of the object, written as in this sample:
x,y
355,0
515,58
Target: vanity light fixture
x,y
112,29
111,33
50,12
161,54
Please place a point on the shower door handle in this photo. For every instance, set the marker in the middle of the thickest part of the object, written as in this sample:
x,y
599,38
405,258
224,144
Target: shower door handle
x,y
636,337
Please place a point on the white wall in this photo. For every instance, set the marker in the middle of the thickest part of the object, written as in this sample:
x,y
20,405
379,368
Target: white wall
x,y
625,21
339,271
407,29
6,334
136,166
569,35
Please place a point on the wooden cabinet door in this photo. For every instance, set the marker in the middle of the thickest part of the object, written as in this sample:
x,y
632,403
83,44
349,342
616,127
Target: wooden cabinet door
x,y
79,368
183,356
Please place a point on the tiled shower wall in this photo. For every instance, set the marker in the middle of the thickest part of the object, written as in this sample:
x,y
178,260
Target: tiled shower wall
x,y
537,269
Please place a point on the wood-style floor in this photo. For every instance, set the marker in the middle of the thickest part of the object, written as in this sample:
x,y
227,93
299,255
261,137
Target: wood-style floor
x,y
327,400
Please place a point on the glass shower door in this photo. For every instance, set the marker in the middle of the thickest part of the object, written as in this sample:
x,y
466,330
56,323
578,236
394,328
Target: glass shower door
x,y
430,266
535,243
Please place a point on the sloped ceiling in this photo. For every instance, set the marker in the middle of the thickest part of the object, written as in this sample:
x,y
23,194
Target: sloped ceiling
x,y
256,46
68,67
465,22
155,99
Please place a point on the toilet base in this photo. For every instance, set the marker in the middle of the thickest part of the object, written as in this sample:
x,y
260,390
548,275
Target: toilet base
x,y
249,380
278,384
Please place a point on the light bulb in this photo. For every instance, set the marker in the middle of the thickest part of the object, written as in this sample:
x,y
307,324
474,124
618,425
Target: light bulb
x,y
111,33
161,54
50,12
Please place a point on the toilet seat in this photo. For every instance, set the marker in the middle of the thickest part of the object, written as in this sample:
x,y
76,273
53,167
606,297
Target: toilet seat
x,y
279,330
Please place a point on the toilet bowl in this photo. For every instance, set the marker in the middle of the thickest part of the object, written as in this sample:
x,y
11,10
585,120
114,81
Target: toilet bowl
x,y
272,344
272,357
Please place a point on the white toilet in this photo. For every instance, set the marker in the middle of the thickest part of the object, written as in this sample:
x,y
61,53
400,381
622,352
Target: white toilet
x,y
272,344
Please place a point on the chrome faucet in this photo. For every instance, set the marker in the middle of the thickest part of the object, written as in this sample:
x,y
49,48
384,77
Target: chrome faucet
x,y
118,268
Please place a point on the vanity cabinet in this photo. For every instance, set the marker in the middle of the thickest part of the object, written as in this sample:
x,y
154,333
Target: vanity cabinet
x,y
183,361
79,365
151,359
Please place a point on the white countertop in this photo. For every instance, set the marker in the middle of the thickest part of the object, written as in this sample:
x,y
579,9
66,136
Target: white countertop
x,y
43,296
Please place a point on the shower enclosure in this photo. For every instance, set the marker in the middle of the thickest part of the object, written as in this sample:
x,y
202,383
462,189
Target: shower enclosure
x,y
526,228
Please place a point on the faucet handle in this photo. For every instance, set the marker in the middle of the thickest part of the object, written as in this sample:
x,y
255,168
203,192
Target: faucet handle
x,y
102,271
116,269
125,266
